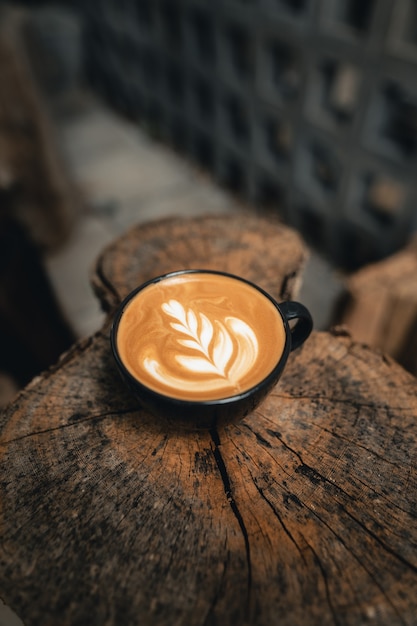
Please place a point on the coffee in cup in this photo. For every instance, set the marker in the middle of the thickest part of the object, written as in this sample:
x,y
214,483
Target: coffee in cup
x,y
195,339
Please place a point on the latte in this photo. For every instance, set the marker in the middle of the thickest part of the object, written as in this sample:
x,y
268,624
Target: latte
x,y
200,336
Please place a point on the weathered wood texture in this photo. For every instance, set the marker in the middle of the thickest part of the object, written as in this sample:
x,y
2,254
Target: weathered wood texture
x,y
257,249
303,513
380,306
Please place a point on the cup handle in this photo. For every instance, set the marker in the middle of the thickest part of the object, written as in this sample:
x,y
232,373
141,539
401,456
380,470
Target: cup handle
x,y
302,329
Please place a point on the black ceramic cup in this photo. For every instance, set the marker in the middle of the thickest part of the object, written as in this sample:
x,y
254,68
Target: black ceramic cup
x,y
220,329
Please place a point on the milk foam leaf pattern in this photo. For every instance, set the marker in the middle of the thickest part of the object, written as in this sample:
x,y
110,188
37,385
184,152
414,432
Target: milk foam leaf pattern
x,y
221,355
223,348
196,364
206,333
188,325
202,340
192,321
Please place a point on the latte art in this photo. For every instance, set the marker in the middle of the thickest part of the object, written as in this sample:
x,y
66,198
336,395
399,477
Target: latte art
x,y
219,350
200,336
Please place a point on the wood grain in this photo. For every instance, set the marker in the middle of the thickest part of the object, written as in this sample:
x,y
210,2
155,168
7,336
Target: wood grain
x,y
303,513
380,306
257,248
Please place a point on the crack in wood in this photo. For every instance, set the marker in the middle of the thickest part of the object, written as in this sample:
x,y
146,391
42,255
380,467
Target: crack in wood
x,y
106,284
337,400
286,287
379,540
326,584
233,505
380,494
357,558
279,518
357,444
90,418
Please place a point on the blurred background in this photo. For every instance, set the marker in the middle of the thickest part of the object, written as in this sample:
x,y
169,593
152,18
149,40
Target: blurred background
x,y
114,112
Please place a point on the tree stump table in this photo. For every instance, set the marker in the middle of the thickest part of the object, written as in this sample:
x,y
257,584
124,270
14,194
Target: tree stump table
x,y
302,513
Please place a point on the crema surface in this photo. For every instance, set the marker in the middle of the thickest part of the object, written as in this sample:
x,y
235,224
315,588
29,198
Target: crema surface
x,y
200,336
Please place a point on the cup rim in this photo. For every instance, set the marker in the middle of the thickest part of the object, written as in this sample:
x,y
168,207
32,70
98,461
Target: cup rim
x,y
181,402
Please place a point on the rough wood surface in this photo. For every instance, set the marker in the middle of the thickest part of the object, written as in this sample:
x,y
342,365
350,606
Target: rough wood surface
x,y
256,248
380,306
303,513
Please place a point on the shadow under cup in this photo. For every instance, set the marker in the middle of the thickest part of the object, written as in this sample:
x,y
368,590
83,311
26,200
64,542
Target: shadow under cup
x,y
200,347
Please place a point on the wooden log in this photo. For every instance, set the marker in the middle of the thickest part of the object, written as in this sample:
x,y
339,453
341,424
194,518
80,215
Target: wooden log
x,y
256,248
303,513
380,306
